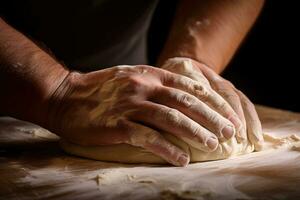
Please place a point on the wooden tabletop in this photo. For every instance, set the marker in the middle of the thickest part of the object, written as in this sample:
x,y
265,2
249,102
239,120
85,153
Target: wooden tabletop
x,y
32,166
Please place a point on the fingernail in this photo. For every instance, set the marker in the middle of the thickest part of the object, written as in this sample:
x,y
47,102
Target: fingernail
x,y
212,143
183,160
228,131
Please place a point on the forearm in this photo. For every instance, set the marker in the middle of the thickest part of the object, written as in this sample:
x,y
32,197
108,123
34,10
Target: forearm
x,y
210,31
28,76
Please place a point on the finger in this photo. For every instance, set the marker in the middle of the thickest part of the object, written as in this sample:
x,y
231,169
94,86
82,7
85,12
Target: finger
x,y
196,110
216,83
254,128
151,140
176,123
205,94
227,91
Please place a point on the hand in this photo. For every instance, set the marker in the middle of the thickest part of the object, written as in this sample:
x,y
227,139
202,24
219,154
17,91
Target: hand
x,y
132,104
248,125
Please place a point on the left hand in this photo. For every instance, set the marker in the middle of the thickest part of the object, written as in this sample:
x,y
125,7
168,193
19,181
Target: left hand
x,y
251,126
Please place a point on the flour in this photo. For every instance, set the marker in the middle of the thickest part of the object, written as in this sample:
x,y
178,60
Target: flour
x,y
111,177
277,142
271,174
197,152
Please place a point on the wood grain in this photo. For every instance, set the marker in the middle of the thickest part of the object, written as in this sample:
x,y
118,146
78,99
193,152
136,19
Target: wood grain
x,y
34,167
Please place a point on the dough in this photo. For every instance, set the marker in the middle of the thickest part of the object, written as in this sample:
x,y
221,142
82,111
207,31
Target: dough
x,y
129,154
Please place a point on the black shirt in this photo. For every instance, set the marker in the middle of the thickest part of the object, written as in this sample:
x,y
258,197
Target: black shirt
x,y
85,34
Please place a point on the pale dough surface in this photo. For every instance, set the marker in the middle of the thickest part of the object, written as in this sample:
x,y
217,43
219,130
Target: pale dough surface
x,y
129,154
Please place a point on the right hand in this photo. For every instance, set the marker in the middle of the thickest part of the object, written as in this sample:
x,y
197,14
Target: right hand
x,y
246,121
132,105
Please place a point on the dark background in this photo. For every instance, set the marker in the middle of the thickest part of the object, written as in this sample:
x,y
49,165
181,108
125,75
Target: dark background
x,y
266,66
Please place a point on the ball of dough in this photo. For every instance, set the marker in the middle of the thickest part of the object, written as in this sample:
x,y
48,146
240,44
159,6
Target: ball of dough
x,y
129,154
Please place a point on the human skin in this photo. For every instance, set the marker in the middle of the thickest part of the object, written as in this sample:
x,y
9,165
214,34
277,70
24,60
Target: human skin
x,y
121,104
37,88
209,33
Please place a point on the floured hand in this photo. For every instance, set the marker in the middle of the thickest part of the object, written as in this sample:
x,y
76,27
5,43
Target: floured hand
x,y
248,126
132,105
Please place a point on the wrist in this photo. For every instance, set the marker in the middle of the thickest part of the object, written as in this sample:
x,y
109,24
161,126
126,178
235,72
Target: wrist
x,y
28,76
58,100
43,75
51,82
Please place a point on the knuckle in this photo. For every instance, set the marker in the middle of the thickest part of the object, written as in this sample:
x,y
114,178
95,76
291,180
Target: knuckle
x,y
229,94
220,85
120,67
172,116
141,69
227,83
133,84
196,131
214,118
185,100
171,78
131,69
122,71
201,90
223,85
216,123
223,106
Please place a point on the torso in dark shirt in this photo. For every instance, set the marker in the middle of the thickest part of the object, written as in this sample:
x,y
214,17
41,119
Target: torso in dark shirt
x,y
86,34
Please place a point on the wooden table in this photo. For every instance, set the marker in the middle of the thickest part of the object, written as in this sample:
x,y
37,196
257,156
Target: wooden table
x,y
33,166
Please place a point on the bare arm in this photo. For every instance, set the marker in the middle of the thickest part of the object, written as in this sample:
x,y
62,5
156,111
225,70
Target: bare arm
x,y
79,107
207,33
210,31
28,76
